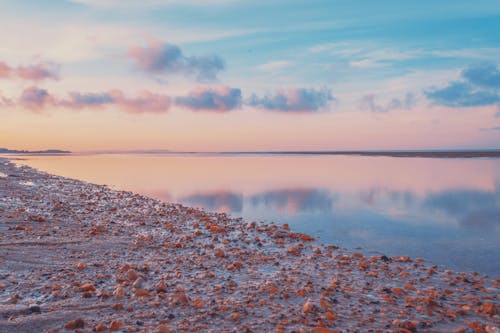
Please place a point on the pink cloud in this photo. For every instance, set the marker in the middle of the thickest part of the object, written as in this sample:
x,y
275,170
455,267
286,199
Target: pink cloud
x,y
293,100
35,72
212,99
163,58
38,72
145,102
5,70
35,99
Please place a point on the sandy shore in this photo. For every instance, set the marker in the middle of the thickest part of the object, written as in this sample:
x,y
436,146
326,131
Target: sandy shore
x,y
79,256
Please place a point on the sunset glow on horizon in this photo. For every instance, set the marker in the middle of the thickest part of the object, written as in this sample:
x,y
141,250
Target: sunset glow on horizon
x,y
234,75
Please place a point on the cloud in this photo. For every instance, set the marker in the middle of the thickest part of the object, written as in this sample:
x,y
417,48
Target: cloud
x,y
36,72
293,100
35,99
217,99
479,86
145,102
164,58
5,70
485,75
369,103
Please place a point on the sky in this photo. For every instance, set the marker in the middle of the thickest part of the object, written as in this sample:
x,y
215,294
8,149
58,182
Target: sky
x,y
240,75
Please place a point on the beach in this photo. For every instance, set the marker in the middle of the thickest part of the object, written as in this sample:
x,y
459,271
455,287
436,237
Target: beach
x,y
79,256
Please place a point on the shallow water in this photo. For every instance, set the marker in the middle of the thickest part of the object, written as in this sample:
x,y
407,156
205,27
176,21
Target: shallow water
x,y
444,210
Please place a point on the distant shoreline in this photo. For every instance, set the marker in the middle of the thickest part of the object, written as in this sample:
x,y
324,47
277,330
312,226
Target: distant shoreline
x,y
433,154
388,153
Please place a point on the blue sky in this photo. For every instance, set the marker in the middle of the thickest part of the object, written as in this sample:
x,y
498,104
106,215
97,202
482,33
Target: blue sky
x,y
370,59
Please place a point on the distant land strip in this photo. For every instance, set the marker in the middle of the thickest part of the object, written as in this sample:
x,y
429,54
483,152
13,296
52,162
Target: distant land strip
x,y
45,152
398,153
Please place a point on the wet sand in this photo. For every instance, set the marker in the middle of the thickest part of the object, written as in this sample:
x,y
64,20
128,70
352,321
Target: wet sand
x,y
76,256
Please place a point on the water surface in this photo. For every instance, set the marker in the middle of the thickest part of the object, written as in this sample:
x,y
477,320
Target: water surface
x,y
444,210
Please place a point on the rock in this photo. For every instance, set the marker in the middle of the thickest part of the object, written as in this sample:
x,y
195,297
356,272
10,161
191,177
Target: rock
x,y
219,253
87,287
115,325
100,328
164,329
141,292
308,307
74,324
132,275
161,287
119,292
35,308
81,266
489,308
323,330
138,284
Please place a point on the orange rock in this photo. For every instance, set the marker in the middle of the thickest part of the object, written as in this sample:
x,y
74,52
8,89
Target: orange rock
x,y
164,329
132,275
100,328
119,292
308,307
489,308
403,259
323,330
141,292
181,298
115,325
235,316
398,291
198,303
117,306
161,287
219,253
272,289
87,287
306,238
74,324
81,266
330,316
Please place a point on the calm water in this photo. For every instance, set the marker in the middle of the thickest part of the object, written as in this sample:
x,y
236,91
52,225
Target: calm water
x,y
444,210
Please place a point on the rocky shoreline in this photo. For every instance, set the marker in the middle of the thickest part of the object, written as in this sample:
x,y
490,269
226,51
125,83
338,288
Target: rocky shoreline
x,y
76,256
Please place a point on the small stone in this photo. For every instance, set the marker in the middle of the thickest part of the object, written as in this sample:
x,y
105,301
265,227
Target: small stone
x,y
161,287
119,292
141,292
81,266
100,328
489,308
132,274
308,307
115,325
164,329
138,283
87,287
74,324
34,308
219,253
